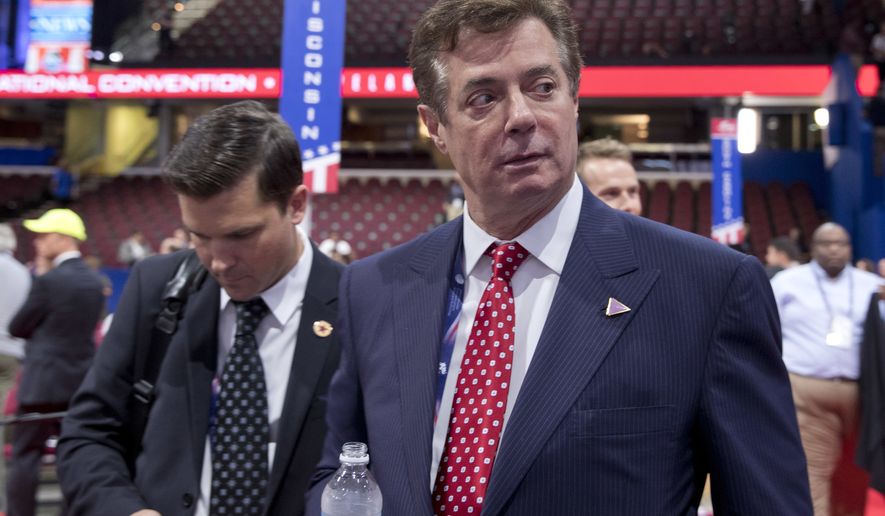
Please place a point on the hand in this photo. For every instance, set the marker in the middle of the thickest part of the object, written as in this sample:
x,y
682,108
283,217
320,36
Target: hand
x,y
146,512
42,265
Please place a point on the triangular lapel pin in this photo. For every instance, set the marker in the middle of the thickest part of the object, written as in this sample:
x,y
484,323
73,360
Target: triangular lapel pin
x,y
615,307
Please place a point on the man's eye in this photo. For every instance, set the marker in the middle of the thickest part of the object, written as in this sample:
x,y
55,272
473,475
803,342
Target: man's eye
x,y
242,236
545,87
482,99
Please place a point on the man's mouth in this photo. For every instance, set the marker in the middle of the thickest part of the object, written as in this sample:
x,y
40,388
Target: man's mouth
x,y
523,159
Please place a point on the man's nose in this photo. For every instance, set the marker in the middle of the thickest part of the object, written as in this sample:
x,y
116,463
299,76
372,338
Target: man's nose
x,y
220,258
520,117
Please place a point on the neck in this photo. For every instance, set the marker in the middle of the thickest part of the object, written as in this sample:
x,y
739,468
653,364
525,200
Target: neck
x,y
506,222
299,250
833,272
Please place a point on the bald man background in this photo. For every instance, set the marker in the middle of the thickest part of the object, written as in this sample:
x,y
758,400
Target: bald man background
x,y
822,308
606,167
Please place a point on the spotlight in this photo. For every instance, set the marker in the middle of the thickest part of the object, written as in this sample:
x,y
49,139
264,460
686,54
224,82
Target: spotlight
x,y
748,130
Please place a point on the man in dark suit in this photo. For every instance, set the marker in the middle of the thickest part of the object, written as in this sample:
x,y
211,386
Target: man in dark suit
x,y
546,354
237,419
58,320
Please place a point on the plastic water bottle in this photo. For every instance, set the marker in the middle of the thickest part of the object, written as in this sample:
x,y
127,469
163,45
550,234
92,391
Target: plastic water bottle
x,y
352,491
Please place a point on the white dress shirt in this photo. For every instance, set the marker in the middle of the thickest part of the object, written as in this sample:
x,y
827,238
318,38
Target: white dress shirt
x,y
548,241
276,344
805,319
63,257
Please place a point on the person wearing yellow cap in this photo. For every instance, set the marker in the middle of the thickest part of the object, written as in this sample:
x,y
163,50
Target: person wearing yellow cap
x,y
57,319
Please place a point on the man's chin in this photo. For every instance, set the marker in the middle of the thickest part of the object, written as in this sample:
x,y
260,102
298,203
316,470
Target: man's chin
x,y
238,291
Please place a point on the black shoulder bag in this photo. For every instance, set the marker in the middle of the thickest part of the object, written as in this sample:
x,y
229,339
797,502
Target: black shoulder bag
x,y
187,279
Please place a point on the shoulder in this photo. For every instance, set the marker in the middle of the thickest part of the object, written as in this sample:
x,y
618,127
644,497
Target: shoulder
x,y
154,271
324,265
658,242
868,278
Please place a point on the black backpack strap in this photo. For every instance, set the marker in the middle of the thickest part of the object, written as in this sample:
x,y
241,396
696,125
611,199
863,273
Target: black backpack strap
x,y
187,279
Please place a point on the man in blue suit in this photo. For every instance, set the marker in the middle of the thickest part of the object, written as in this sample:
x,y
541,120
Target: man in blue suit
x,y
546,354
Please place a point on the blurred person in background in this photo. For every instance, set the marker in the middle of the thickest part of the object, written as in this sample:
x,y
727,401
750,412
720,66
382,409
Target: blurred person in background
x,y
16,282
178,240
58,319
822,307
134,249
63,185
606,167
865,264
780,254
337,248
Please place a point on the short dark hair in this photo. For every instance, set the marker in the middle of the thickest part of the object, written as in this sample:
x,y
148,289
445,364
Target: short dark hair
x,y
438,29
228,144
787,246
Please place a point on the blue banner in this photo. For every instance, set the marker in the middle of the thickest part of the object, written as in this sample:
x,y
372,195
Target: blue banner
x,y
727,191
312,61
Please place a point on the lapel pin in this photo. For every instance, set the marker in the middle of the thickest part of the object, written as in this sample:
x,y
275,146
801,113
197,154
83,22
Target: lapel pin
x,y
615,307
323,328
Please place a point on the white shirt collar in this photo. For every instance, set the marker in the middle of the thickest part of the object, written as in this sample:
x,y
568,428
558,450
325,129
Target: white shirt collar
x,y
285,296
548,240
67,255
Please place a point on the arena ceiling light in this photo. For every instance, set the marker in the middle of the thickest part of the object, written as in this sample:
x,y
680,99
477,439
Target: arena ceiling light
x,y
748,130
822,117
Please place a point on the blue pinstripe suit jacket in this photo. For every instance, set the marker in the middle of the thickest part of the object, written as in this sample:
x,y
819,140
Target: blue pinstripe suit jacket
x,y
617,415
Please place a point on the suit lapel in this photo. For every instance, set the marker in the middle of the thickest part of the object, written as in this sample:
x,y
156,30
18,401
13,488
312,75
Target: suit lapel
x,y
199,326
418,328
310,354
577,337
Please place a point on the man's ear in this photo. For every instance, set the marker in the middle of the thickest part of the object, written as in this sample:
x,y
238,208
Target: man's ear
x,y
298,204
434,127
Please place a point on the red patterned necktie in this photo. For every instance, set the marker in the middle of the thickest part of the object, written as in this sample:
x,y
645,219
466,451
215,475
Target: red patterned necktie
x,y
480,393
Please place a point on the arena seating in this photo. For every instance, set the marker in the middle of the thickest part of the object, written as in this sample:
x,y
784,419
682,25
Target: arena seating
x,y
20,191
374,213
123,205
374,216
379,30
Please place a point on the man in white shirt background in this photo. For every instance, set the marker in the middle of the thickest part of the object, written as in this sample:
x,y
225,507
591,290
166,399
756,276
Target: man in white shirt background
x,y
822,307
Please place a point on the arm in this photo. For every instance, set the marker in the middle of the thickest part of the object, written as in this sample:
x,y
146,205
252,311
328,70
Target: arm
x,y
91,452
344,408
32,312
747,426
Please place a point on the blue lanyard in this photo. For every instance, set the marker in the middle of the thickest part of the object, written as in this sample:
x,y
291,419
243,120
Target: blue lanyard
x,y
454,300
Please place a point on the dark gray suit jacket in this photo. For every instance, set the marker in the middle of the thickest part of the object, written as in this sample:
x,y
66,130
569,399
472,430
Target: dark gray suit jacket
x,y
617,415
92,465
58,318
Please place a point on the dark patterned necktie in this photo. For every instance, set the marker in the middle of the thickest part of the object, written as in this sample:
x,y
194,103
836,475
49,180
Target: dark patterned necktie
x,y
480,393
239,448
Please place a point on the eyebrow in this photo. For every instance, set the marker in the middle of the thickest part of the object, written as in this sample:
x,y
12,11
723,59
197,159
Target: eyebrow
x,y
229,234
531,73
